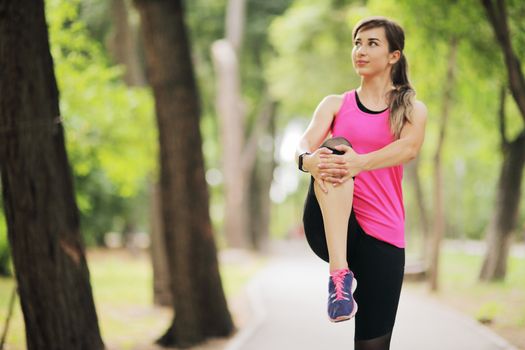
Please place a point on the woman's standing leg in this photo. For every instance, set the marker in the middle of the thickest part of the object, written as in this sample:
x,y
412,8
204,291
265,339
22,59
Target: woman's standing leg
x,y
379,267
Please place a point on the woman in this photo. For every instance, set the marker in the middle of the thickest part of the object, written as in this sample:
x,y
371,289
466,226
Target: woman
x,y
354,213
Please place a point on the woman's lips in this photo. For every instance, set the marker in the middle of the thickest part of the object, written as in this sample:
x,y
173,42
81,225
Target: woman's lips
x,y
361,63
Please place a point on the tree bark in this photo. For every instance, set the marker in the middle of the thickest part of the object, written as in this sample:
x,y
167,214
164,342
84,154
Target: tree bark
x,y
39,201
507,203
123,44
506,211
412,170
198,297
438,226
507,198
231,116
161,275
230,109
261,181
497,15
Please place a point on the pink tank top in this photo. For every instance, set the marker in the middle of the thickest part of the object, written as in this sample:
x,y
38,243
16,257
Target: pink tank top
x,y
378,195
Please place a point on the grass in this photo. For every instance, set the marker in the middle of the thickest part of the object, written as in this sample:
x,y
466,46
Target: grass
x,y
500,305
123,293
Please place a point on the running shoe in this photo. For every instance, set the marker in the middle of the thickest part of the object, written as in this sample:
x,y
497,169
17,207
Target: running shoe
x,y
341,303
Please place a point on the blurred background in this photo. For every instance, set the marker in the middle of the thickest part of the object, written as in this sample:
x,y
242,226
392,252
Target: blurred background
x,y
465,222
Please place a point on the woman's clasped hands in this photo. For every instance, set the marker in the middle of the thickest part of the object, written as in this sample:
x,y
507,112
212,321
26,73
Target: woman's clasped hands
x,y
333,168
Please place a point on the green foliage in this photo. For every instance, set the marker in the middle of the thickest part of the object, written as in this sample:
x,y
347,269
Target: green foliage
x,y
488,311
109,127
5,258
312,40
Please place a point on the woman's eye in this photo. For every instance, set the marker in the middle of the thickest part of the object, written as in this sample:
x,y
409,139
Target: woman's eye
x,y
373,43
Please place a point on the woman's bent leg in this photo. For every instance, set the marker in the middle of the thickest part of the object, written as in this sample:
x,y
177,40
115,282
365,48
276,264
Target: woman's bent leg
x,y
336,206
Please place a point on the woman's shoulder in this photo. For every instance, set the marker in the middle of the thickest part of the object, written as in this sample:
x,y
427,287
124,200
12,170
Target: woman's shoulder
x,y
334,101
419,110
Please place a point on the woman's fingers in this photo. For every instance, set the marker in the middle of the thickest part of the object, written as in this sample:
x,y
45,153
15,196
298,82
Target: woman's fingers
x,y
330,157
338,172
343,148
334,170
323,185
324,152
342,180
333,179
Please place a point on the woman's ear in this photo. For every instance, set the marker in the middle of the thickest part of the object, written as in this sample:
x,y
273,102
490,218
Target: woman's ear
x,y
394,56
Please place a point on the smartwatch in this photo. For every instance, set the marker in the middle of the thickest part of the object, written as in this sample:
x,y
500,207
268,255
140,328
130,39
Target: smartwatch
x,y
301,161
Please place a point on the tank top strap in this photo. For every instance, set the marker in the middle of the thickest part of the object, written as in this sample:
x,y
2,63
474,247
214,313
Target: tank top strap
x,y
347,101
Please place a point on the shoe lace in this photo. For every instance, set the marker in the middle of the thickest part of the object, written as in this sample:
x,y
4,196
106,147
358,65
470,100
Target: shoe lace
x,y
338,277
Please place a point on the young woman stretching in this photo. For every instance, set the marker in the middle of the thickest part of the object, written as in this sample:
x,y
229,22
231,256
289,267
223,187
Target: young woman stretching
x,y
354,214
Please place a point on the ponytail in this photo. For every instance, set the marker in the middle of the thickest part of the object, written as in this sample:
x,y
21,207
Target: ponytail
x,y
401,97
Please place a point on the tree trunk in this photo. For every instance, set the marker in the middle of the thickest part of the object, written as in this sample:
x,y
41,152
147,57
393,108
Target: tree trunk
x,y
261,181
198,297
439,213
231,116
412,170
507,198
123,44
230,109
161,275
507,203
39,201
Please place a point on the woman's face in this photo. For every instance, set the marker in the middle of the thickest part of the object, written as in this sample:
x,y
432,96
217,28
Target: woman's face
x,y
370,54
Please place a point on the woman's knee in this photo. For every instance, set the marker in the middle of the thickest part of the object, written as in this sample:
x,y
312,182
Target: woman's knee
x,y
343,190
331,143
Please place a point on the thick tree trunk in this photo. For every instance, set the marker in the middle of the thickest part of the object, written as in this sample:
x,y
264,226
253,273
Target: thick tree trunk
x,y
198,297
438,227
123,44
506,211
39,202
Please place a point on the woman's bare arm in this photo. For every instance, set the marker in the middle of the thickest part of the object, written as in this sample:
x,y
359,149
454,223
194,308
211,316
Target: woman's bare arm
x,y
398,152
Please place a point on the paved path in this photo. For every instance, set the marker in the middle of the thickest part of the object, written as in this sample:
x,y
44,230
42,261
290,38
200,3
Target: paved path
x,y
288,298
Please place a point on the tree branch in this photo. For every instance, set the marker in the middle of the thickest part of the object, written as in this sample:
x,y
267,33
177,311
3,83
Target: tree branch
x,y
498,19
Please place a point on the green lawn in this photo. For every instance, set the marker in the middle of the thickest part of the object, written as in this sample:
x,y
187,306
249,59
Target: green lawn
x,y
122,287
501,305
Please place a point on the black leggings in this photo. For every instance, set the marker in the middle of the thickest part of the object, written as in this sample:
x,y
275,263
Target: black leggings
x,y
378,267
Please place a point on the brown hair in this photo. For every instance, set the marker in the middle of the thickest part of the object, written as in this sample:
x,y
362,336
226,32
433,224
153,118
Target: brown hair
x,y
400,98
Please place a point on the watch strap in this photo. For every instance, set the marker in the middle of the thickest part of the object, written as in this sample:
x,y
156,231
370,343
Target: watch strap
x,y
301,156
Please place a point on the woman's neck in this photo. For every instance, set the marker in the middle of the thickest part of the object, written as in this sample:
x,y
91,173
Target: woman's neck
x,y
373,91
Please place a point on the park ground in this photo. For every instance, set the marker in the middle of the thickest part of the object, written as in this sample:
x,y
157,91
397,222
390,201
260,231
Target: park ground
x,y
122,288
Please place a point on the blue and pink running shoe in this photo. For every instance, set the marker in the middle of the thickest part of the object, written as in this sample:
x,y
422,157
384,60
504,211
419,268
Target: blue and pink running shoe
x,y
341,303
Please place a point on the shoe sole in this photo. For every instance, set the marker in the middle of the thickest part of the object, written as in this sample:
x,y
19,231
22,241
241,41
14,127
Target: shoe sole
x,y
354,309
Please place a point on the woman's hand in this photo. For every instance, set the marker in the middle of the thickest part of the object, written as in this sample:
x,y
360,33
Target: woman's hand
x,y
339,168
311,164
